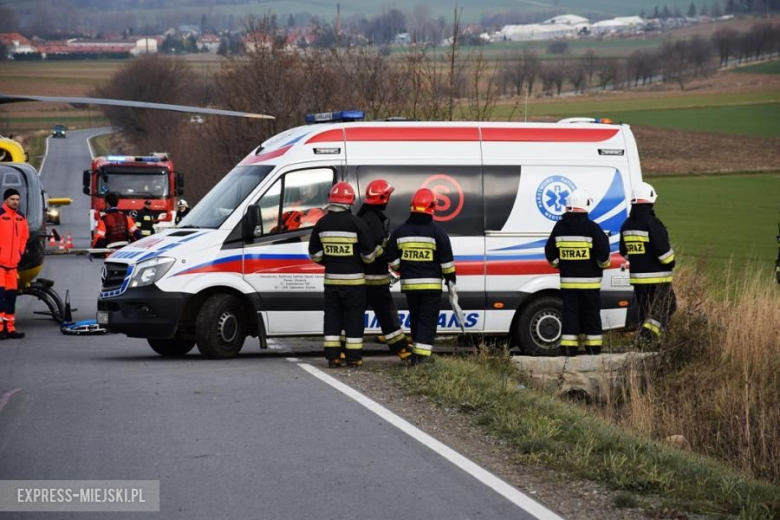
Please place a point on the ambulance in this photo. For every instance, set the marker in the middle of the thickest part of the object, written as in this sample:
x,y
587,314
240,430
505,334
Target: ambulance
x,y
235,268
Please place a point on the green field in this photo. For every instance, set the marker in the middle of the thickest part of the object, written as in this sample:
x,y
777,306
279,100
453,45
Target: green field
x,y
762,120
722,218
770,67
600,107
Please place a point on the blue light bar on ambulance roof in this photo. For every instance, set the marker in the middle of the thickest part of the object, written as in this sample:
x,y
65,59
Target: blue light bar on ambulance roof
x,y
331,117
130,158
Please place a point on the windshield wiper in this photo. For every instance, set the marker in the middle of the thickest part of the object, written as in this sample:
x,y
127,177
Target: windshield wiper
x,y
188,227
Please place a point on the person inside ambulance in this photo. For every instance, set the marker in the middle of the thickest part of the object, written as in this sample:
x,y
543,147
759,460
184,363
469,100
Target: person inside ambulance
x,y
644,242
308,208
421,250
14,233
340,242
114,226
579,249
378,295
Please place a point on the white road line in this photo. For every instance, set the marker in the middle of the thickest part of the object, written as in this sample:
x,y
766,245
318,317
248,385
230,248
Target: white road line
x,y
292,359
509,492
45,155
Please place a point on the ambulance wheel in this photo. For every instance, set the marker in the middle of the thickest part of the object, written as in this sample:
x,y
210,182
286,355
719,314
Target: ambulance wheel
x,y
538,331
171,347
221,327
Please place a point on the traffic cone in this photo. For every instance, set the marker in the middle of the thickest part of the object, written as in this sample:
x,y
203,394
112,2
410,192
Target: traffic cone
x,y
62,244
52,240
69,242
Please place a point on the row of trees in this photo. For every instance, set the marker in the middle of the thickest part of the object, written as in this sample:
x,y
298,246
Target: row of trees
x,y
675,61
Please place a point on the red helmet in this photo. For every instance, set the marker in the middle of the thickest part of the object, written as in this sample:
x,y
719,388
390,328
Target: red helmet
x,y
291,220
378,192
341,193
424,201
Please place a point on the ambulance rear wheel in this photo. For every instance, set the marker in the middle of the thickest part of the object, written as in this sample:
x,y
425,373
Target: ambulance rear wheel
x,y
221,327
171,347
538,330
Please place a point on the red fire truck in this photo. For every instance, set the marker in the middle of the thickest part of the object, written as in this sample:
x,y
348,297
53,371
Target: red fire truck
x,y
135,179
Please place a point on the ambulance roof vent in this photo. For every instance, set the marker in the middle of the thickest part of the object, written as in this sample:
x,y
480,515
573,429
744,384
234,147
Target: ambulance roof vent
x,y
334,117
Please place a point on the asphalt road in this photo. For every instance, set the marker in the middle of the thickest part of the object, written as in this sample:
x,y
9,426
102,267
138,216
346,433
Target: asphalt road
x,y
254,437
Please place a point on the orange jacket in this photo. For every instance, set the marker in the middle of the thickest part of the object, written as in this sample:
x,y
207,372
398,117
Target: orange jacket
x,y
100,239
13,237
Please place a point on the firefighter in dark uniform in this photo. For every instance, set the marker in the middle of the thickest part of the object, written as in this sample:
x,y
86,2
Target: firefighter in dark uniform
x,y
378,295
422,252
145,219
644,242
340,242
114,226
580,250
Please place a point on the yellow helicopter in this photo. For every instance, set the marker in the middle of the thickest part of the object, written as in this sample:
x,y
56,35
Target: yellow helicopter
x,y
17,173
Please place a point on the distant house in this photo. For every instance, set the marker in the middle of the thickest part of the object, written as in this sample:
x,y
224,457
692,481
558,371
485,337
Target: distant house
x,y
16,43
402,39
567,19
144,46
210,42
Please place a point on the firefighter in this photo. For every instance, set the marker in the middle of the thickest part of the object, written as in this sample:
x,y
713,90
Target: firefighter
x,y
13,242
579,249
182,210
114,226
378,295
422,252
644,242
145,219
340,242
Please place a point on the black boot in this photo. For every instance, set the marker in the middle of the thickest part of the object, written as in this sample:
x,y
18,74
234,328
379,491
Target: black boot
x,y
571,351
3,335
15,334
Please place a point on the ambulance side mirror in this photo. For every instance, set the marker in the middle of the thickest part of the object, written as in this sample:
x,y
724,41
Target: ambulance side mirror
x,y
86,181
252,220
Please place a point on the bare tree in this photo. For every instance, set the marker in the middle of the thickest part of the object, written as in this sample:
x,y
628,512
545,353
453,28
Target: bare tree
x,y
575,74
676,57
725,41
607,71
700,53
454,71
483,91
590,62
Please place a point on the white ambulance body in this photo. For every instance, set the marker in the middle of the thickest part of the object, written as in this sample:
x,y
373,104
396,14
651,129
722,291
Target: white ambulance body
x,y
231,270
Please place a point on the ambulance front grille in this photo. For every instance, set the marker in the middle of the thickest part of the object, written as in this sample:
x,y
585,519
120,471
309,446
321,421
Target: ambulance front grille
x,y
113,276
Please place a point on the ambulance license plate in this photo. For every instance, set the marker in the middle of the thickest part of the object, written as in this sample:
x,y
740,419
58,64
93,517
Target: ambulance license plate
x,y
102,317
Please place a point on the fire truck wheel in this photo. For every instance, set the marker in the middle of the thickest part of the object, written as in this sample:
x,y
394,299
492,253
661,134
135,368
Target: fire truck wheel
x,y
171,347
538,331
221,327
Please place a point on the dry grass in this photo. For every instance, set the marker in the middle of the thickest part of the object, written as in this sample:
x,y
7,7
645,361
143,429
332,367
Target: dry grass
x,y
718,386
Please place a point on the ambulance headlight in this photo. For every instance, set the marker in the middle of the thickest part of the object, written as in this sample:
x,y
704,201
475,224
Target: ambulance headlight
x,y
146,273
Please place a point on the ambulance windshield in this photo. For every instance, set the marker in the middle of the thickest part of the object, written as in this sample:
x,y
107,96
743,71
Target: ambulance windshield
x,y
222,200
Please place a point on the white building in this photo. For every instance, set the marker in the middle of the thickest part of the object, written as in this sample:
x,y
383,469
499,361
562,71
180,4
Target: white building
x,y
619,25
144,46
567,19
537,32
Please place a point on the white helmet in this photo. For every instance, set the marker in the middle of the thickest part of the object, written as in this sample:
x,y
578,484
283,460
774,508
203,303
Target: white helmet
x,y
578,200
183,202
644,194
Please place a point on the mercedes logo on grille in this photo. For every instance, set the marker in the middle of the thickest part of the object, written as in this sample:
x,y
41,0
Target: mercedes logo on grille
x,y
103,275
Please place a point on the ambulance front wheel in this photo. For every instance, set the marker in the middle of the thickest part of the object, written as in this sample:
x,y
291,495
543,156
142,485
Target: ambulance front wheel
x,y
221,327
538,330
171,347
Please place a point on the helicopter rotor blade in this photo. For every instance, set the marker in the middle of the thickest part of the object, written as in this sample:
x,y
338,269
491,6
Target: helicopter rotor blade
x,y
9,98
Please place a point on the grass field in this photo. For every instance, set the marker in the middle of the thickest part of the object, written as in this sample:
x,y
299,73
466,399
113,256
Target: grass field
x,y
596,107
762,120
722,218
770,67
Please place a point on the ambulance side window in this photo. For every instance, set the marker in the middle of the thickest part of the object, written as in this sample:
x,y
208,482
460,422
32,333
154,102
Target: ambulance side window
x,y
458,188
297,200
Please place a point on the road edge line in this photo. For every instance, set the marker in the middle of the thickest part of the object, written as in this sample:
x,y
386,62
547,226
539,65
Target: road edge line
x,y
45,155
517,497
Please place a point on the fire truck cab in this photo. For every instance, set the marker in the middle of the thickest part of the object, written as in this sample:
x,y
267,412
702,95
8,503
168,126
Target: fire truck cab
x,y
136,179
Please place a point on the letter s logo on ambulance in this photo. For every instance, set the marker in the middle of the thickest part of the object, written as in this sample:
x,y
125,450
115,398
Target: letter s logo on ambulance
x,y
551,196
449,196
